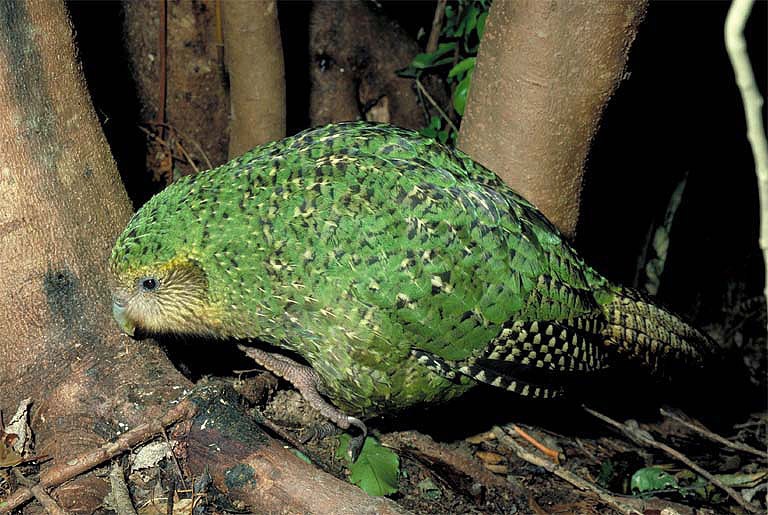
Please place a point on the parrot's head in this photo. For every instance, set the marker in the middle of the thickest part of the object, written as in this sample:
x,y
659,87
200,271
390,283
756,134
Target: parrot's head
x,y
159,286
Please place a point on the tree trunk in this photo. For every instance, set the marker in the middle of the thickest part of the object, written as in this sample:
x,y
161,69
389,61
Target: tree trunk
x,y
545,71
355,53
254,56
62,207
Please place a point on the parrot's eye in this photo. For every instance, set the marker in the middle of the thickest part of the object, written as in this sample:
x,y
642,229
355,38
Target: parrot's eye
x,y
149,284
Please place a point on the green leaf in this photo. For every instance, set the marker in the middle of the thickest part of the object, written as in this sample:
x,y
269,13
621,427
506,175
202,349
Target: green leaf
x,y
460,94
409,72
481,25
462,66
651,479
428,60
444,48
423,60
376,469
444,60
428,132
471,21
606,473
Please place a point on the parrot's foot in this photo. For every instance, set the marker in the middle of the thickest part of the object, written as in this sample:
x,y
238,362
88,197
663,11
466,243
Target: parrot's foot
x,y
306,381
319,431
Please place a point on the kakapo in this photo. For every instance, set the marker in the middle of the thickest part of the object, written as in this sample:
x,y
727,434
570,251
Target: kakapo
x,y
403,272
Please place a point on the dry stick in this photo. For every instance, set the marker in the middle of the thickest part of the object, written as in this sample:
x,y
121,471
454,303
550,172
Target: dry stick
x,y
714,436
424,448
647,440
167,145
190,139
421,88
189,159
175,459
753,105
552,453
437,26
95,457
567,475
40,494
751,423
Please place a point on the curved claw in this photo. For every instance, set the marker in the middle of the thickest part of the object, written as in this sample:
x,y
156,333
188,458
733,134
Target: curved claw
x,y
357,442
358,424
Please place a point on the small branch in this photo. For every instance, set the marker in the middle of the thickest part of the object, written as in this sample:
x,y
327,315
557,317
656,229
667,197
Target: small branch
x,y
437,26
552,453
191,140
75,466
425,449
40,494
714,436
753,104
175,459
643,438
426,94
567,475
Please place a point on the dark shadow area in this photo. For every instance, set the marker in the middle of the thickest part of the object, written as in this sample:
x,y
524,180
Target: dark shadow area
x,y
679,112
294,33
99,40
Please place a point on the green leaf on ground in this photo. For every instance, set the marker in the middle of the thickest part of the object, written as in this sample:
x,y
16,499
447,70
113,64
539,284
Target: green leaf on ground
x,y
377,468
652,479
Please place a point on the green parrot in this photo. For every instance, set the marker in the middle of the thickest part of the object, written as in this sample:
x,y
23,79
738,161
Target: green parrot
x,y
399,270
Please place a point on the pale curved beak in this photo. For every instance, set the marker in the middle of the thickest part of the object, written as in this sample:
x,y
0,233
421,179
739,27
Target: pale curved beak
x,y
121,317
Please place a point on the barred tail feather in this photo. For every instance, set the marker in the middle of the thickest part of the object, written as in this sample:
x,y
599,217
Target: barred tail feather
x,y
639,329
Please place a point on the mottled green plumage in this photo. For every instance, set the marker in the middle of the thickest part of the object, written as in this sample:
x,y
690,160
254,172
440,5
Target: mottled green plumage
x,y
402,271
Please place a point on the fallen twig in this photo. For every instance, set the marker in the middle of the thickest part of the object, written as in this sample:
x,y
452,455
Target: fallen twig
x,y
48,502
714,436
628,506
424,448
95,457
175,459
552,453
643,438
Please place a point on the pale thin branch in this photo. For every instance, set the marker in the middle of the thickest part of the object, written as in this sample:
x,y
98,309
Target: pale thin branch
x,y
753,104
539,460
432,101
714,436
643,438
437,26
75,466
48,503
